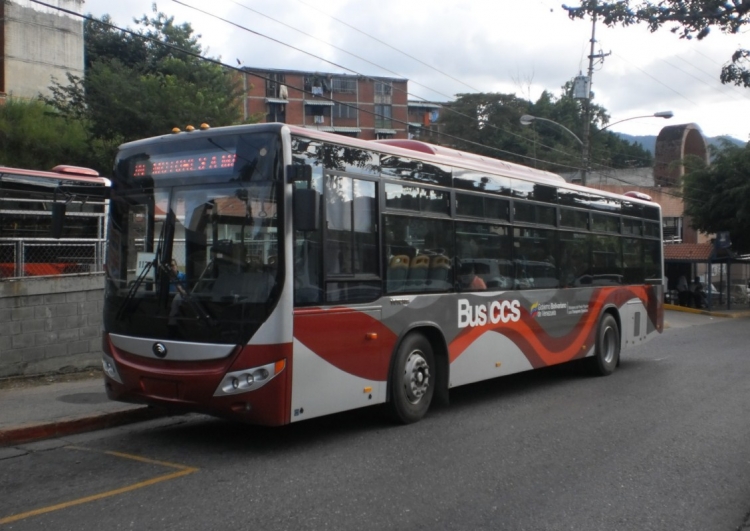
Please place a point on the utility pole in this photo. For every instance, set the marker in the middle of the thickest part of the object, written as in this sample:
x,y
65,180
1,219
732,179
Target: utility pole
x,y
586,148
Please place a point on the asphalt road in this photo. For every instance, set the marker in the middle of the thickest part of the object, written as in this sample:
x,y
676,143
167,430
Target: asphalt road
x,y
660,445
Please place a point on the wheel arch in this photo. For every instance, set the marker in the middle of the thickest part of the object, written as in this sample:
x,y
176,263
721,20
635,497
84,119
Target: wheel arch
x,y
614,311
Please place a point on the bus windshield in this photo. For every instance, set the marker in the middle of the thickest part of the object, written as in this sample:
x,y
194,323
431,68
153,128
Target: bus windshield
x,y
194,239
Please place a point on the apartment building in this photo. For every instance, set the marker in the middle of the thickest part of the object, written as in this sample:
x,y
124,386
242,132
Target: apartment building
x,y
38,43
363,107
424,121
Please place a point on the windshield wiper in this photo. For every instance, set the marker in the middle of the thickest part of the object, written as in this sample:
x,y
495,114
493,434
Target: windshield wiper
x,y
154,264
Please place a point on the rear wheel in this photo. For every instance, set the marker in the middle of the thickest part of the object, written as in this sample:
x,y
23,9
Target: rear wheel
x,y
412,381
607,352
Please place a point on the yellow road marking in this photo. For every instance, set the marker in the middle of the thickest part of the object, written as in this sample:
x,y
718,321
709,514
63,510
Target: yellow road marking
x,y
182,471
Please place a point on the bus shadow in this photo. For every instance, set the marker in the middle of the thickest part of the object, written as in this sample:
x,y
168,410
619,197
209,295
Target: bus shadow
x,y
210,435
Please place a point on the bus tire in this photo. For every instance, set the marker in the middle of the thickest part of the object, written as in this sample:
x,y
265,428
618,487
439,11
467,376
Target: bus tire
x,y
412,381
607,351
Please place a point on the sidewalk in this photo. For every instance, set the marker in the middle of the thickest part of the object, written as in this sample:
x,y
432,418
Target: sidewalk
x,y
59,405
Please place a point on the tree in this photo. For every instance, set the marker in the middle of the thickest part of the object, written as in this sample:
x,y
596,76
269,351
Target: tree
x,y
689,19
717,197
33,136
489,124
145,83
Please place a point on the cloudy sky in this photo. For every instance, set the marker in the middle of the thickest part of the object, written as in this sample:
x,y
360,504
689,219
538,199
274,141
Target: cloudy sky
x,y
447,47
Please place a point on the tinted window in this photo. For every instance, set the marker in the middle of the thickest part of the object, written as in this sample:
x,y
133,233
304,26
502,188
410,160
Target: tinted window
x,y
478,206
416,198
534,258
576,219
651,230
575,258
414,170
534,213
471,180
605,223
632,261
419,254
484,256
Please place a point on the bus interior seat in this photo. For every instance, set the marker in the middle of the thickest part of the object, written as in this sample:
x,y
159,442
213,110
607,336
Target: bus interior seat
x,y
398,271
419,271
440,272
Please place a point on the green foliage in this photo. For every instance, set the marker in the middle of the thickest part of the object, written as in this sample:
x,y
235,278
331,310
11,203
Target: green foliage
x,y
489,124
33,136
691,19
717,197
144,85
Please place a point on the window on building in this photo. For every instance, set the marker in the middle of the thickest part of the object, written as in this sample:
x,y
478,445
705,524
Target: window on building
x,y
673,229
276,112
383,89
274,82
344,85
344,110
383,116
317,110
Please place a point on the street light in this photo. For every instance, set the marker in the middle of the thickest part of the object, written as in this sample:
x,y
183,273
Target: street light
x,y
661,114
527,119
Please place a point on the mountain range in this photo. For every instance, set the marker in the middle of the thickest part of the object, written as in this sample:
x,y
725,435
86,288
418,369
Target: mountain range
x,y
649,141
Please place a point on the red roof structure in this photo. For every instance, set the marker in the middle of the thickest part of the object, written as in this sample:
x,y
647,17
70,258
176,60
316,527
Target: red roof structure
x,y
688,252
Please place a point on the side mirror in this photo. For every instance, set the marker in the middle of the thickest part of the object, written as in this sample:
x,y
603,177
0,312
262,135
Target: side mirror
x,y
306,209
58,220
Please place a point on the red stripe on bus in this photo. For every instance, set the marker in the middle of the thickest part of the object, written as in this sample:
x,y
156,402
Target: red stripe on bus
x,y
538,346
340,336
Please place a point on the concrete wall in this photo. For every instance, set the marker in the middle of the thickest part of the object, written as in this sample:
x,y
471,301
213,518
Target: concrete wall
x,y
40,43
50,324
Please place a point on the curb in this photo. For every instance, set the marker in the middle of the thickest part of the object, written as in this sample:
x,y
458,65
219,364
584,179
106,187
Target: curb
x,y
61,428
685,309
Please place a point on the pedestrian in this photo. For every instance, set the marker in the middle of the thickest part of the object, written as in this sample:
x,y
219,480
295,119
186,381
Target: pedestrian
x,y
697,294
683,291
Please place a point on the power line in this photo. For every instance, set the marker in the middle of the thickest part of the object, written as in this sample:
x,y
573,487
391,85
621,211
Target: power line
x,y
230,67
389,46
447,108
655,79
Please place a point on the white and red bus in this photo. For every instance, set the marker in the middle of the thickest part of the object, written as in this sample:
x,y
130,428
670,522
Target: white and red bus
x,y
271,274
33,239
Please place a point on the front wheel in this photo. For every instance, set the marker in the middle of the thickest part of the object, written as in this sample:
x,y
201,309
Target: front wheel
x,y
412,381
607,352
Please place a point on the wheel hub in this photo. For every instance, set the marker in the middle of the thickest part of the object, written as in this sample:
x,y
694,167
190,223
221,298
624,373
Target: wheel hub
x,y
416,377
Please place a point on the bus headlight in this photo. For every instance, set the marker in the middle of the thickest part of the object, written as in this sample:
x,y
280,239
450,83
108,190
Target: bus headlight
x,y
248,380
110,369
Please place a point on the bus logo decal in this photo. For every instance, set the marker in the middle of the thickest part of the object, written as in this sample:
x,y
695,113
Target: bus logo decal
x,y
493,312
159,350
534,309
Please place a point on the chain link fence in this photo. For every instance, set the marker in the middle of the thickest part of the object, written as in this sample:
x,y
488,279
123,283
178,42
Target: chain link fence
x,y
35,258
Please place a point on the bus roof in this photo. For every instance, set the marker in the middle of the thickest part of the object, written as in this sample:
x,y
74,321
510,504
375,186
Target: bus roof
x,y
400,147
68,174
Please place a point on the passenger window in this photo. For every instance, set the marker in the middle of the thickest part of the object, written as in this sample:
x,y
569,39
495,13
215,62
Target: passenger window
x,y
575,259
484,257
534,258
419,254
351,239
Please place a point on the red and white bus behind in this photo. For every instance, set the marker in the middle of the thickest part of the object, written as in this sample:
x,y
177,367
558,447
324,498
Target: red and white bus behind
x,y
271,274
